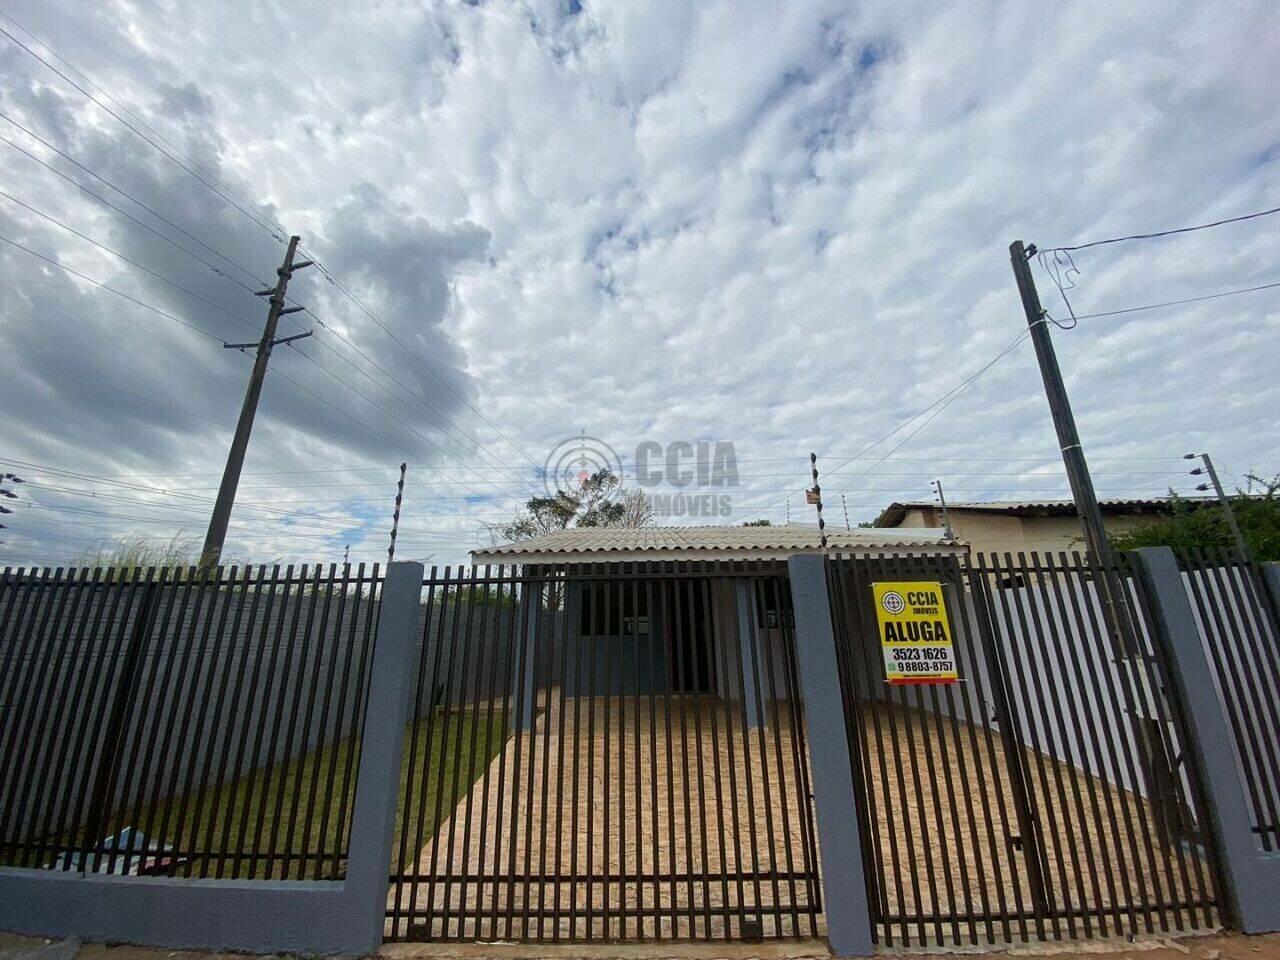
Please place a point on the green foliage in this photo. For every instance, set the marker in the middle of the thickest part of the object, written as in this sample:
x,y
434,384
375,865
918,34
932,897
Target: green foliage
x,y
131,552
495,596
758,523
600,501
1199,525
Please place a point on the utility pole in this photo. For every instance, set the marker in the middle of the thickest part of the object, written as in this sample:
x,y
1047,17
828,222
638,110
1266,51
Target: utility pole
x,y
946,517
395,516
1242,545
1064,422
814,496
1156,765
844,503
211,555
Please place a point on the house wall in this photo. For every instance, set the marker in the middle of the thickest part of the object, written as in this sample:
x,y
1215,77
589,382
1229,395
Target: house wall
x,y
613,665
998,533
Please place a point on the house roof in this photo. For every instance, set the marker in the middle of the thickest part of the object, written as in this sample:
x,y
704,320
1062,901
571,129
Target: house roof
x,y
629,544
896,512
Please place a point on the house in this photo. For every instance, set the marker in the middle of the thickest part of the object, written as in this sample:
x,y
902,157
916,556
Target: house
x,y
677,622
1042,526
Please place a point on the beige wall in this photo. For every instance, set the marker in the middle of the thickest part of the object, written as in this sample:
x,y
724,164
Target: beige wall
x,y
998,533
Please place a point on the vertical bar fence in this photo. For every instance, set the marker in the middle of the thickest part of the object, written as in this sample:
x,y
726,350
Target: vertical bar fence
x,y
1043,795
606,752
179,722
1237,619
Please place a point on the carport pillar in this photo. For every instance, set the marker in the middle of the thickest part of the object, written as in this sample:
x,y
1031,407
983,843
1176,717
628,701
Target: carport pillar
x,y
749,653
526,658
1251,877
844,887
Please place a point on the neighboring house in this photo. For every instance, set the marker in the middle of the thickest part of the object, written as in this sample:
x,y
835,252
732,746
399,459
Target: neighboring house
x,y
1025,526
683,635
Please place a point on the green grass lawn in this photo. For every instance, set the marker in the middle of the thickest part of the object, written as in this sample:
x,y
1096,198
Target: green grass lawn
x,y
301,814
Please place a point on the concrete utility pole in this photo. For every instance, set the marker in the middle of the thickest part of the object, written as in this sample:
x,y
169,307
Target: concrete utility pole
x,y
1241,544
946,516
211,555
1156,765
1086,501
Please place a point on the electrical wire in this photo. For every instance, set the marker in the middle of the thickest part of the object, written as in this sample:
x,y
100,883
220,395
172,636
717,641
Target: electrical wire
x,y
120,256
1176,303
944,400
1166,233
252,275
272,231
275,229
118,293
445,420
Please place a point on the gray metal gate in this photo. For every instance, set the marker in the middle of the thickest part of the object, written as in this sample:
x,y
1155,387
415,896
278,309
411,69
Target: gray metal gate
x,y
611,752
1045,794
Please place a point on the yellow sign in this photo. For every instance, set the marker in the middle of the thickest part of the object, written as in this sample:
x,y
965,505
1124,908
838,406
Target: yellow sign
x,y
914,635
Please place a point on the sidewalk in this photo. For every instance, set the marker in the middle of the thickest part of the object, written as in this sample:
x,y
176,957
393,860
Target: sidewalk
x,y
1216,947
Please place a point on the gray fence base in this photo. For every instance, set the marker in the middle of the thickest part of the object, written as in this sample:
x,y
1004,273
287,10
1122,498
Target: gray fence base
x,y
1251,877
267,916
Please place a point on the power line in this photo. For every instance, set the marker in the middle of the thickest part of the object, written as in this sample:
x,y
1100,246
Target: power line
x,y
249,323
273,231
945,399
1164,233
428,367
120,256
202,332
118,293
123,106
1175,303
252,275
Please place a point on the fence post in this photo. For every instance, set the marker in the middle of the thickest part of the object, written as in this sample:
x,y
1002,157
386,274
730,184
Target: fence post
x,y
1271,580
373,817
1250,876
747,639
843,884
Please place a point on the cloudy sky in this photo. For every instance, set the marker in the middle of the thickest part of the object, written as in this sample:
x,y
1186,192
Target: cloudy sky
x,y
783,226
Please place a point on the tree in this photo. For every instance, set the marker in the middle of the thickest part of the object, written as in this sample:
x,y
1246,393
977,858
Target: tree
x,y
1200,525
599,501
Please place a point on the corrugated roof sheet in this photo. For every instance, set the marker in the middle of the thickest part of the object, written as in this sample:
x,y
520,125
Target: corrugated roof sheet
x,y
896,511
765,541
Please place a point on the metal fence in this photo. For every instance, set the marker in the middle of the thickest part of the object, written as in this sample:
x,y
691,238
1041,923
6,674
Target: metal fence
x,y
1236,616
175,722
1045,794
606,752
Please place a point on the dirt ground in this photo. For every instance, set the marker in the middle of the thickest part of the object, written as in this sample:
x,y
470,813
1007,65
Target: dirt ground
x,y
692,792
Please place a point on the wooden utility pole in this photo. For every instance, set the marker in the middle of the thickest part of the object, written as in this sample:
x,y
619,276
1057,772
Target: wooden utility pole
x,y
211,555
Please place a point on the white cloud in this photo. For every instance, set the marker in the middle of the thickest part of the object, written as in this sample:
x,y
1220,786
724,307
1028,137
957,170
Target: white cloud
x,y
780,225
